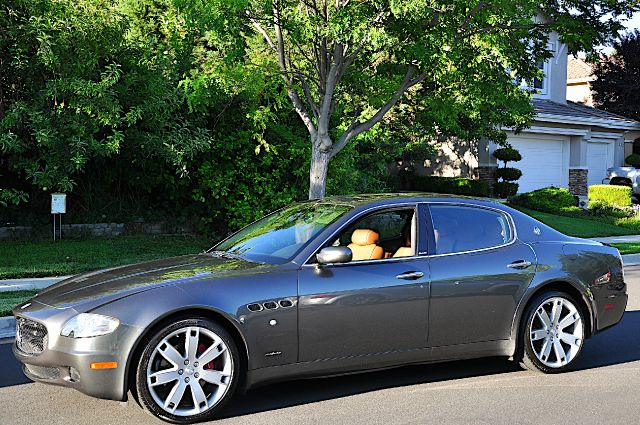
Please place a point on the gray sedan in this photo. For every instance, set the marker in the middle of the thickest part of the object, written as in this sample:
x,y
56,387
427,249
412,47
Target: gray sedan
x,y
319,288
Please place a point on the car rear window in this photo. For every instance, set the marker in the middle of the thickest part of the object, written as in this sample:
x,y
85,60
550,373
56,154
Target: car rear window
x,y
461,229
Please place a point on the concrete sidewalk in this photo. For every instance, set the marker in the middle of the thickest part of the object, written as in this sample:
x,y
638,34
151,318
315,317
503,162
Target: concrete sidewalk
x,y
618,239
28,284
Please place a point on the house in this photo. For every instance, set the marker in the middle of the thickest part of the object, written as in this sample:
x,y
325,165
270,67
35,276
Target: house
x,y
569,144
579,78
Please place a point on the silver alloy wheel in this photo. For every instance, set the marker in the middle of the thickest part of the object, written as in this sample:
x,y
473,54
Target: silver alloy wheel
x,y
556,332
192,360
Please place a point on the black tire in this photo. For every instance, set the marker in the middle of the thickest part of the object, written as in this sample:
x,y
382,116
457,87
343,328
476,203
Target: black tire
x,y
528,358
143,393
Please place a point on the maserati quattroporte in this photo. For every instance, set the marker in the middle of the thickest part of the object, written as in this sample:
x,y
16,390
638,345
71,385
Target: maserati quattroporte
x,y
321,288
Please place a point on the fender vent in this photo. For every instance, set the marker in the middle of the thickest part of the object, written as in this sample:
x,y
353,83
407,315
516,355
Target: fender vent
x,y
285,303
270,305
254,307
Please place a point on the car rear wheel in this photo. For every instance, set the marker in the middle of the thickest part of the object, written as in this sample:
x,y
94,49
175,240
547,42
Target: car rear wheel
x,y
553,333
187,371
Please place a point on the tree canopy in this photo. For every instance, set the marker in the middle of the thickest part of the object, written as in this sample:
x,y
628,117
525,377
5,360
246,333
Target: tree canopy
x,y
617,85
345,64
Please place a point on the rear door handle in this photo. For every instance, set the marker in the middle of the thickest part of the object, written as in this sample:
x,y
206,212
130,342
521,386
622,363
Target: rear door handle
x,y
520,264
410,275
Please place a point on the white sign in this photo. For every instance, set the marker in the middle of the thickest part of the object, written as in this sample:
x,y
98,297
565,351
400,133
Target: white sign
x,y
58,203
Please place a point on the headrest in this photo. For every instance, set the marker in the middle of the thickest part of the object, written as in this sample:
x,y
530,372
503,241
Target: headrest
x,y
364,237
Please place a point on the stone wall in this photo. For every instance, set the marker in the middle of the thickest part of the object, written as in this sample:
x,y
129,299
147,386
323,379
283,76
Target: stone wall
x,y
96,229
487,174
578,181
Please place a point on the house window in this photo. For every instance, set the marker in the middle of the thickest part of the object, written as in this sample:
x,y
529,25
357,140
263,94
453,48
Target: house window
x,y
542,84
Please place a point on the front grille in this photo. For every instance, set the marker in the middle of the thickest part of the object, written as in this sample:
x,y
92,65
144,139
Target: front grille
x,y
31,337
42,372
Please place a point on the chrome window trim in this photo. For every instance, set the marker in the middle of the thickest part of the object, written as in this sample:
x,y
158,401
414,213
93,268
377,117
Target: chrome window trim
x,y
362,213
512,227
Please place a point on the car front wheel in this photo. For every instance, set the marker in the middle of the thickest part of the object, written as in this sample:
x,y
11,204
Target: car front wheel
x,y
553,333
187,371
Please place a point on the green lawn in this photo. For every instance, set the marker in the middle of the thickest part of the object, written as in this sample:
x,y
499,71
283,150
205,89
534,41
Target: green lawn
x,y
580,227
72,256
8,300
627,248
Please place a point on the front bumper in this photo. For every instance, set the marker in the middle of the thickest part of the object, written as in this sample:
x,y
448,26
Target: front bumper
x,y
67,361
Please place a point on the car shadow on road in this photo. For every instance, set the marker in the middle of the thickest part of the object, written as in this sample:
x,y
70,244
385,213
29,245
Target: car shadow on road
x,y
619,344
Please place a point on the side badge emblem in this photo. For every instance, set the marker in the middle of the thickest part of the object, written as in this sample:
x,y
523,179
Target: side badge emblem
x,y
536,230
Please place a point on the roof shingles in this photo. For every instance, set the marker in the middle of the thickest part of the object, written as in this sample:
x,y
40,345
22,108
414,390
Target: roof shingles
x,y
573,109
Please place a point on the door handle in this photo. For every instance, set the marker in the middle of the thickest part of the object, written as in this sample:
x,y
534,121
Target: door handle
x,y
520,264
410,275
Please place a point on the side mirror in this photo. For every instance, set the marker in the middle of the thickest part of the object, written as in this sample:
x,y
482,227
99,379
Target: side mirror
x,y
334,254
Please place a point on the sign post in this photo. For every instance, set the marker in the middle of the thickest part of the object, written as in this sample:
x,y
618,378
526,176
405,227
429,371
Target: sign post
x,y
58,207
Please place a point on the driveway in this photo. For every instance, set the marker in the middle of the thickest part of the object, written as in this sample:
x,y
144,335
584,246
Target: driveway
x,y
491,391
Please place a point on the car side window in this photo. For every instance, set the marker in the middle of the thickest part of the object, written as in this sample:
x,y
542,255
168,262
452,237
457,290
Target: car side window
x,y
460,229
386,234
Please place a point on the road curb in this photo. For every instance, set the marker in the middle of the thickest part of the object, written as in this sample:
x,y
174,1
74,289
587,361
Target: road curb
x,y
30,284
7,327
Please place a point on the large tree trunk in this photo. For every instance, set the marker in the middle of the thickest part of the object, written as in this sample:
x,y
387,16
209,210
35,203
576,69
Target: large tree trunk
x,y
320,156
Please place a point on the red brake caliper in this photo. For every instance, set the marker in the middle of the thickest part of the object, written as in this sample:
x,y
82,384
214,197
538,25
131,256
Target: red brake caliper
x,y
201,349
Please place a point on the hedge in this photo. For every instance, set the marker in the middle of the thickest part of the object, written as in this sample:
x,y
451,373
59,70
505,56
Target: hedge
x,y
612,195
549,199
452,185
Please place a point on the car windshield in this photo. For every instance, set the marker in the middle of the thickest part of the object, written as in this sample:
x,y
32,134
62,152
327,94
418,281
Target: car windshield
x,y
279,237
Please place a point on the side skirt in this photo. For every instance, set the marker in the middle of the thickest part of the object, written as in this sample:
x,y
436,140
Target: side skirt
x,y
379,361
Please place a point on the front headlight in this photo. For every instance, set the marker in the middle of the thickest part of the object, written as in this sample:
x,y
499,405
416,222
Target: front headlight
x,y
86,325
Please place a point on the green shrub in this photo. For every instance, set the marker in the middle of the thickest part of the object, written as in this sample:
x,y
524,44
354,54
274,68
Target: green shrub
x,y
507,154
549,199
452,185
508,174
505,189
602,209
612,195
633,160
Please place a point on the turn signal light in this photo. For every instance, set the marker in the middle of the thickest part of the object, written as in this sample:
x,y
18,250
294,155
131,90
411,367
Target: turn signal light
x,y
104,365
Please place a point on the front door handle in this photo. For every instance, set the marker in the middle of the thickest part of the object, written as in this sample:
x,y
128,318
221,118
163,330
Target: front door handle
x,y
520,264
410,275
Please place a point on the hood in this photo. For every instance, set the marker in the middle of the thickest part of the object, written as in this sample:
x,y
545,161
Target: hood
x,y
90,290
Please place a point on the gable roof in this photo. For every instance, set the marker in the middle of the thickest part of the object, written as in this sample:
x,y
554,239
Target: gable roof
x,y
579,69
572,112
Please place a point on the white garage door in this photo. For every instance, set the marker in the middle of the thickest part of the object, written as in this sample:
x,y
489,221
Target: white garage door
x,y
599,158
545,161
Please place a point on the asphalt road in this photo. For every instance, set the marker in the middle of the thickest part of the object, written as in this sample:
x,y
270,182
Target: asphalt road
x,y
604,390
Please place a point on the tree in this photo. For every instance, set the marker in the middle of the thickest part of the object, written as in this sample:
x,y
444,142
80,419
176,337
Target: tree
x,y
617,85
76,83
345,64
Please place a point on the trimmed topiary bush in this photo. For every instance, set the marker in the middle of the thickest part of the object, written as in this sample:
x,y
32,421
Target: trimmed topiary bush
x,y
452,185
633,160
508,174
553,200
507,155
505,189
612,195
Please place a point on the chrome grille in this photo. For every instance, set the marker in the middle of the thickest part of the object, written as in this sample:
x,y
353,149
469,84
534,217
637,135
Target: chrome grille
x,y
42,372
31,337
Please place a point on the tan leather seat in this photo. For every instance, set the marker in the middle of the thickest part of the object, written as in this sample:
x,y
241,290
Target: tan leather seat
x,y
403,251
406,250
363,245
